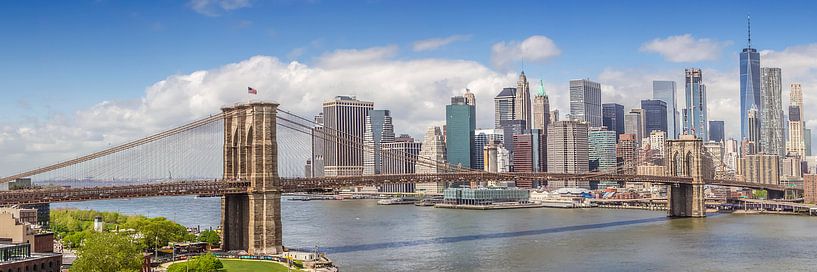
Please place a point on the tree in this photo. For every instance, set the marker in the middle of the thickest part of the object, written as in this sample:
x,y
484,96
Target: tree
x,y
211,237
104,252
204,263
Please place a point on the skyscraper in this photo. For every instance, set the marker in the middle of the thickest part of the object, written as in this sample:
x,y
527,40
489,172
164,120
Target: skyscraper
x,y
522,106
634,124
716,131
567,147
665,91
378,130
807,140
460,122
771,115
655,115
541,108
613,117
504,104
469,98
602,152
749,84
754,130
796,145
344,118
585,101
695,113
627,153
317,147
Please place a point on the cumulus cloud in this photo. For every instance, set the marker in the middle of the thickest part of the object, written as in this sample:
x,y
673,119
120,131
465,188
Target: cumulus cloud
x,y
535,49
431,44
685,48
416,92
216,7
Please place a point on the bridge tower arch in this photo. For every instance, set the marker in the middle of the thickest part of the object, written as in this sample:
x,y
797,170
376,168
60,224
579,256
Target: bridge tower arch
x,y
251,221
688,160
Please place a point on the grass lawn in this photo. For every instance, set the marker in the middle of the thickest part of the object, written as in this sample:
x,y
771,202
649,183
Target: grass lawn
x,y
253,266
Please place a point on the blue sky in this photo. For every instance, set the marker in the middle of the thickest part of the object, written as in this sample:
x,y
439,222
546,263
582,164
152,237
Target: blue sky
x,y
58,59
77,53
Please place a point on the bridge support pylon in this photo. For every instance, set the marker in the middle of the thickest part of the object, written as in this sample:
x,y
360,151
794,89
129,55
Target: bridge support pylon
x,y
252,221
686,158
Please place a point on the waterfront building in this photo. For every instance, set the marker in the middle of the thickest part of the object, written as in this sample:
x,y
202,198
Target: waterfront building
x,y
716,131
460,123
585,102
484,196
483,137
634,124
504,104
541,108
771,103
627,153
379,130
613,117
344,118
655,116
665,91
522,105
750,96
810,189
759,168
695,114
318,150
568,151
796,143
602,152
431,160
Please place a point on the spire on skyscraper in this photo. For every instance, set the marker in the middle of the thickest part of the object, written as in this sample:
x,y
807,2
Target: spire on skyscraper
x,y
749,29
541,90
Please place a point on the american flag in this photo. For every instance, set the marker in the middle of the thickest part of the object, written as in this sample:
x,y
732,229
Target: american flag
x,y
252,90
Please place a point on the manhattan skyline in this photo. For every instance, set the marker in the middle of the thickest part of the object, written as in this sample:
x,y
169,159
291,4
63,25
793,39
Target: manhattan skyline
x,y
86,75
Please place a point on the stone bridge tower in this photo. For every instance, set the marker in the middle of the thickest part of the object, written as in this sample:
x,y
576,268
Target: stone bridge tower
x,y
686,157
252,221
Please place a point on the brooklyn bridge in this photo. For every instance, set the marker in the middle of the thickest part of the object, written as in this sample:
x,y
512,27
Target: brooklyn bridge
x,y
252,144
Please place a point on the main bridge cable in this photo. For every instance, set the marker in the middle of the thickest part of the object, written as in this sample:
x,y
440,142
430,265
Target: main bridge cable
x,y
123,147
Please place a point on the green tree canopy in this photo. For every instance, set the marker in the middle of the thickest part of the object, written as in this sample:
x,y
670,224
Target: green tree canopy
x,y
211,237
107,252
204,263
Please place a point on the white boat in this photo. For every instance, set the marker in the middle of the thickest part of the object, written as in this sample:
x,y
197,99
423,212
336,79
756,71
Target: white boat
x,y
397,201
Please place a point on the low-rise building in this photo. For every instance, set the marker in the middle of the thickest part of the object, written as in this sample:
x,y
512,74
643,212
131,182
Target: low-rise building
x,y
18,257
484,196
16,226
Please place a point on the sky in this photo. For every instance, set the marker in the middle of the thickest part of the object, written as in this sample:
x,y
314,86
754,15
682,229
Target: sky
x,y
76,76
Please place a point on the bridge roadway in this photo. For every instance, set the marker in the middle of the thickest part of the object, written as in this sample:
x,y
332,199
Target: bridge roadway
x,y
290,185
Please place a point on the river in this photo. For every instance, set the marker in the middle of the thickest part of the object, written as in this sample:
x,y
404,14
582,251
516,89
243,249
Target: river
x,y
359,235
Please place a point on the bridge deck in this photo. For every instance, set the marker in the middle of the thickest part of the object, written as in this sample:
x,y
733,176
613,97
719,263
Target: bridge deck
x,y
222,187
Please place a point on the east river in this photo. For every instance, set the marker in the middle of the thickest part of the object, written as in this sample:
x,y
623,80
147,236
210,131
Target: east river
x,y
359,235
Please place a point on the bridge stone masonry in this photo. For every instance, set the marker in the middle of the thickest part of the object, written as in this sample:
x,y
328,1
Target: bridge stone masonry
x,y
251,221
686,160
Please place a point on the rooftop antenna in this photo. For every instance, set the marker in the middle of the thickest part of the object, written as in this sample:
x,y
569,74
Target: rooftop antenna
x,y
749,28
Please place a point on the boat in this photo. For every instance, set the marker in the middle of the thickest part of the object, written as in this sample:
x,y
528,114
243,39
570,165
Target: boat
x,y
397,201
